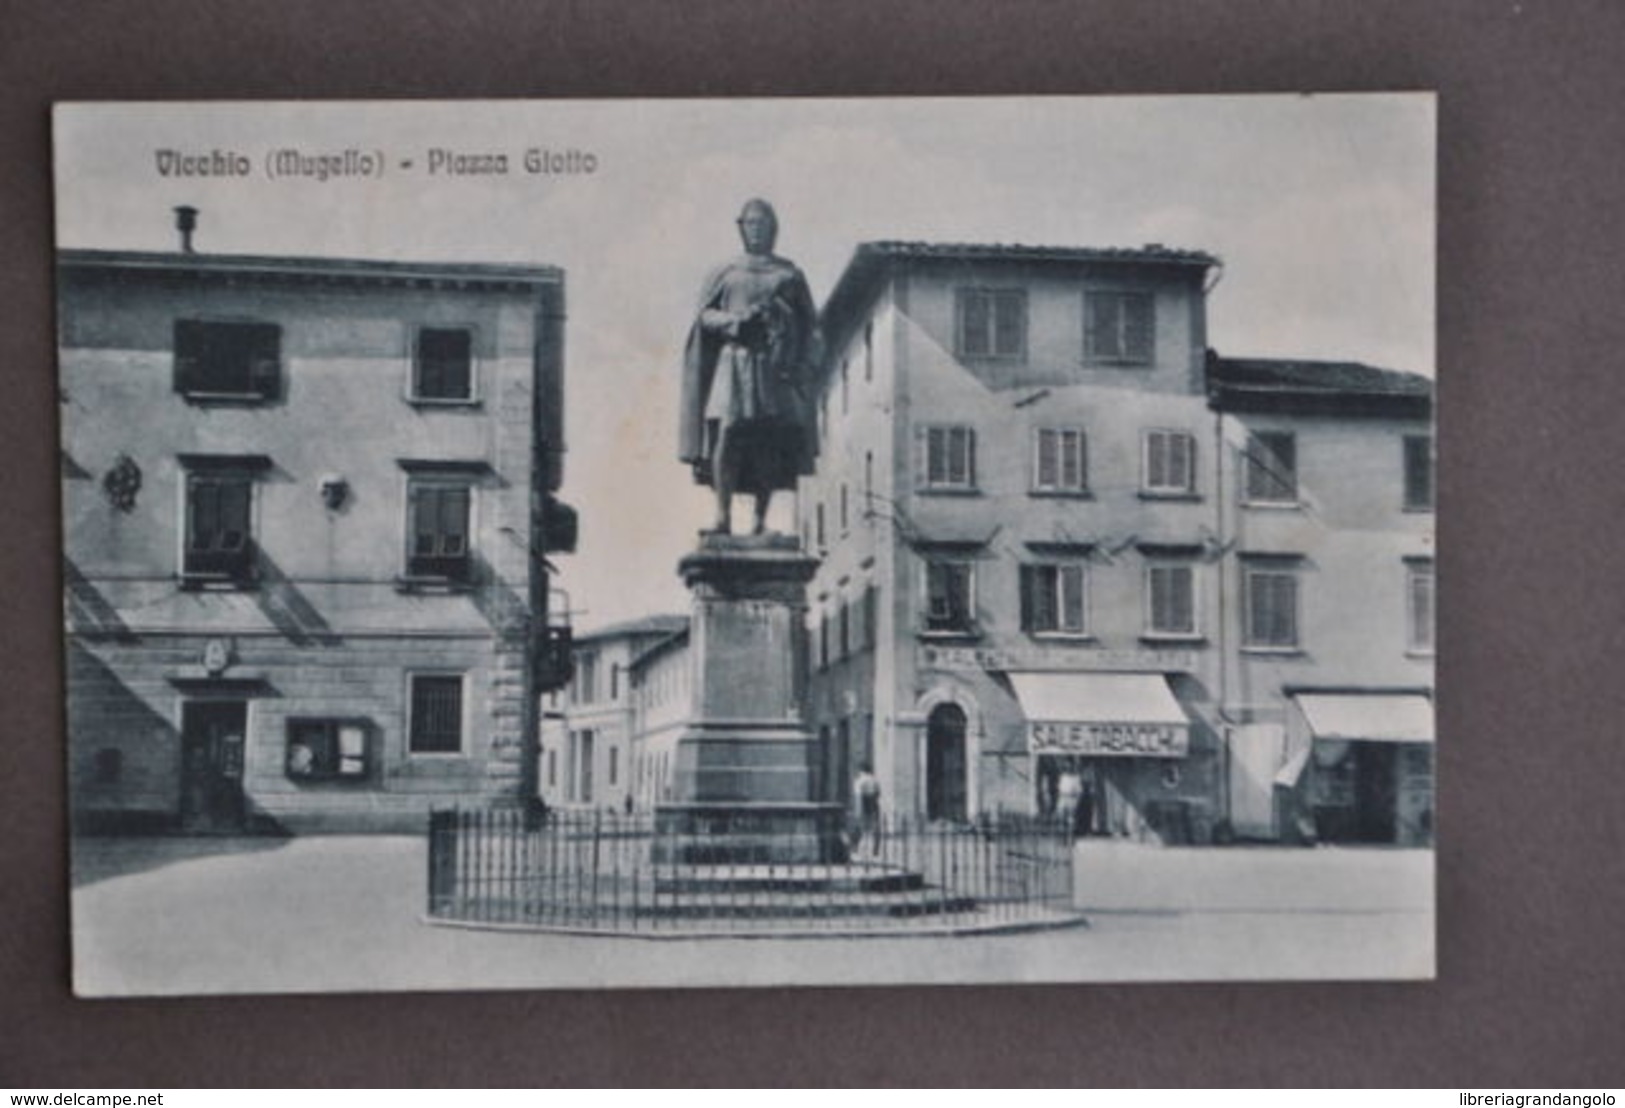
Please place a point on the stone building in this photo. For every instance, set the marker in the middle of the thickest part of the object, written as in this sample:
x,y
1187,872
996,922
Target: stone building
x,y
588,728
306,502
1061,537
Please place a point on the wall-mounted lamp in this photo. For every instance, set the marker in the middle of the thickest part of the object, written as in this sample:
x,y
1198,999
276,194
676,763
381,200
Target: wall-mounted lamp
x,y
335,491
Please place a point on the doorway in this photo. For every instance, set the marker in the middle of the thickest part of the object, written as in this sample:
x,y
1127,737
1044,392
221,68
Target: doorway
x,y
1376,792
212,737
945,785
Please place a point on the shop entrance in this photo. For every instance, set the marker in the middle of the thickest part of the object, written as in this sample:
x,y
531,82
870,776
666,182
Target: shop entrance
x,y
945,763
212,765
1375,791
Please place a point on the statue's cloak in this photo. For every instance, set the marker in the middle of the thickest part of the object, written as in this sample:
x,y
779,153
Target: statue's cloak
x,y
701,353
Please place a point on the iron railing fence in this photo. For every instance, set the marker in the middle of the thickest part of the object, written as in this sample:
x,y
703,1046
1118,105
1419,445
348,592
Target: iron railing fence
x,y
601,871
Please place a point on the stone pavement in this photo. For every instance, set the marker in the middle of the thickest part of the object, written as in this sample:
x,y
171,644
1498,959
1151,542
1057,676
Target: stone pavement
x,y
344,914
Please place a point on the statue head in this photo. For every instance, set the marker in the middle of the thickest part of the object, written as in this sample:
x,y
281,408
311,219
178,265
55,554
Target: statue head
x,y
758,227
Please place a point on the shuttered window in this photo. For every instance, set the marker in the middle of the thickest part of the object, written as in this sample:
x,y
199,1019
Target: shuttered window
x,y
1419,607
1170,462
1170,607
228,360
1272,609
1419,473
1054,599
1271,467
949,457
218,531
1119,327
443,364
1060,462
992,323
950,600
437,530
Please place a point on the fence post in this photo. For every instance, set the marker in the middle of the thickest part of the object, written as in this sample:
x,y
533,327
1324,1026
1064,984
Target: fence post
x,y
442,859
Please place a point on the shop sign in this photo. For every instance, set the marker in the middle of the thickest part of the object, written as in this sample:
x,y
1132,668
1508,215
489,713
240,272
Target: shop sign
x,y
1154,740
1038,659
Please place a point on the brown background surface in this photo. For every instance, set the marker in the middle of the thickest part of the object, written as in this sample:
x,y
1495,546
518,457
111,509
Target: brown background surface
x,y
1532,379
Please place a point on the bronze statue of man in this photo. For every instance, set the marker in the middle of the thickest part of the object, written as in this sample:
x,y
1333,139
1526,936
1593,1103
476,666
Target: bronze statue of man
x,y
747,374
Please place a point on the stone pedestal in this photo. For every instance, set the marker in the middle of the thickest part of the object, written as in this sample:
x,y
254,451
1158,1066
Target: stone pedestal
x,y
745,765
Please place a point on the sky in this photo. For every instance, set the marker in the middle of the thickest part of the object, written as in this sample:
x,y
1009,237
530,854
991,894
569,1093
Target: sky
x,y
1321,208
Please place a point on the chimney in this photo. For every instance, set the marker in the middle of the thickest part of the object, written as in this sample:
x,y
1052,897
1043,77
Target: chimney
x,y
186,223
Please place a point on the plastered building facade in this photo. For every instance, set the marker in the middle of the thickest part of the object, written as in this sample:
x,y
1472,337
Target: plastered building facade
x,y
1060,537
304,503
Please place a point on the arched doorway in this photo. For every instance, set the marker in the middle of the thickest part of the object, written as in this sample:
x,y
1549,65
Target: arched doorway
x,y
945,763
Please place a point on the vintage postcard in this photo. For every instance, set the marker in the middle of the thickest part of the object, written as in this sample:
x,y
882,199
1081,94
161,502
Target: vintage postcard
x,y
715,543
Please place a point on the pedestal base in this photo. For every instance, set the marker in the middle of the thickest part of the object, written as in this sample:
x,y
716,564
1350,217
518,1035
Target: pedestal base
x,y
749,833
744,780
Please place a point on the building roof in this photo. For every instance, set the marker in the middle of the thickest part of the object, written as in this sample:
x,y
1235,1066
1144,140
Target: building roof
x,y
655,625
1258,384
280,269
976,251
871,260
659,648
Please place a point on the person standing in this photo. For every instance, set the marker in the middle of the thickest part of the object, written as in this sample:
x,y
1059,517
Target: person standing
x,y
1069,795
866,793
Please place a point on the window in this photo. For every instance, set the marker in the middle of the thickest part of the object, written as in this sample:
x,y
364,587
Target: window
x,y
614,681
228,361
219,531
1118,327
846,386
869,351
1271,618
845,511
1419,473
871,616
437,529
868,484
586,678
819,529
1419,607
844,636
552,769
1271,465
580,767
1053,599
950,596
326,750
950,457
443,363
992,323
1170,463
436,724
823,640
1170,601
614,765
1060,461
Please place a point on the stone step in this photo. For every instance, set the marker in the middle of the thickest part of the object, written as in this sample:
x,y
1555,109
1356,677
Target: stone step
x,y
812,906
745,879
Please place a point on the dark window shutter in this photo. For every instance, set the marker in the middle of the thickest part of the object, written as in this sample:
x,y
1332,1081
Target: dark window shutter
x,y
1010,324
265,361
973,323
970,457
1028,589
1418,472
233,515
1138,330
188,338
